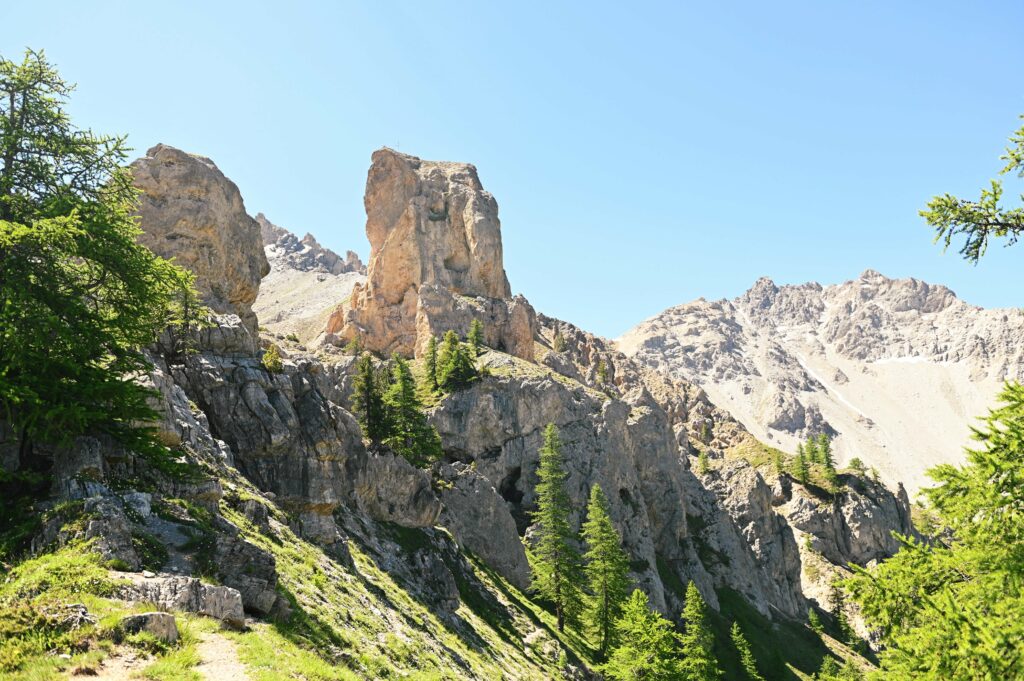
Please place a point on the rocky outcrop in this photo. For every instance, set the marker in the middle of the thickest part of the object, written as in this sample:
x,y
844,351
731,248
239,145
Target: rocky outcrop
x,y
188,594
305,254
895,368
480,521
160,625
191,212
435,262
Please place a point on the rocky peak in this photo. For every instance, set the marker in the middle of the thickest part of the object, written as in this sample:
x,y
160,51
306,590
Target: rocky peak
x,y
435,261
895,367
306,254
191,212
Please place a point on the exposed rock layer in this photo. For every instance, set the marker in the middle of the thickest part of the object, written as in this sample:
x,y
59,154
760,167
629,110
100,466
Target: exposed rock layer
x,y
191,212
435,262
896,368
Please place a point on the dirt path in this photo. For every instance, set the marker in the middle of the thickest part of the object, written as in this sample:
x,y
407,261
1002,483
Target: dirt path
x,y
219,656
118,667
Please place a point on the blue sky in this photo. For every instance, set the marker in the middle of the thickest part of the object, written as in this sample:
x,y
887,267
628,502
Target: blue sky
x,y
642,154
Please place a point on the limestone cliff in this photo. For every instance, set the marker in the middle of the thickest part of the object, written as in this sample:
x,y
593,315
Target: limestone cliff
x,y
895,368
191,212
435,262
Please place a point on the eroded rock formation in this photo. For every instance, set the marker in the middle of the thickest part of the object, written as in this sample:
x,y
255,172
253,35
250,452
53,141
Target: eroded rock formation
x,y
191,212
435,262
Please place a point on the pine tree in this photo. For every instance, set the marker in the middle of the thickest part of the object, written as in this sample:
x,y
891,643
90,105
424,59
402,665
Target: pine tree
x,y
698,641
814,622
431,364
475,337
606,569
409,433
746,655
558,344
811,450
368,400
780,463
647,646
455,366
846,633
825,451
79,296
556,567
803,471
703,465
354,347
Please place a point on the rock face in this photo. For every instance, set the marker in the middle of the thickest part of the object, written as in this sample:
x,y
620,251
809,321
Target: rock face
x,y
191,212
896,368
435,262
189,594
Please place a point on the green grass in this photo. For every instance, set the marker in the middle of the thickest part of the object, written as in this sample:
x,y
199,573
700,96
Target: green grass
x,y
270,655
177,663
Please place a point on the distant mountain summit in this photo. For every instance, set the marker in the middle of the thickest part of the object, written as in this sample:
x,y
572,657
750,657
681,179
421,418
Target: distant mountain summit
x,y
305,283
896,369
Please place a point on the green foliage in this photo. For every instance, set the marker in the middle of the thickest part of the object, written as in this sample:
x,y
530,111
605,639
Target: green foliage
x,y
558,343
19,519
978,221
602,372
831,671
647,646
697,641
354,347
746,655
703,465
431,364
556,567
802,470
456,368
151,552
778,462
79,297
824,451
858,467
368,400
272,360
409,433
951,609
475,338
814,622
606,566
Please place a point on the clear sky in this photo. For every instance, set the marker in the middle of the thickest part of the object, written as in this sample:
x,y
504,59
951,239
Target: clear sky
x,y
642,154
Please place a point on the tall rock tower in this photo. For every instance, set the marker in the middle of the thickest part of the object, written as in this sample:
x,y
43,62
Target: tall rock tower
x,y
435,262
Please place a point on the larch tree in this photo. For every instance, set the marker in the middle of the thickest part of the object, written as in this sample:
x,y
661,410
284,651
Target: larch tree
x,y
606,566
368,400
79,297
950,608
647,647
431,364
698,641
979,221
746,655
455,366
557,574
408,432
475,338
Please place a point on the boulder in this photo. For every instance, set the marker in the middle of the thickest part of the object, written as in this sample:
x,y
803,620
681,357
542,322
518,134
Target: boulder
x,y
190,595
162,625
